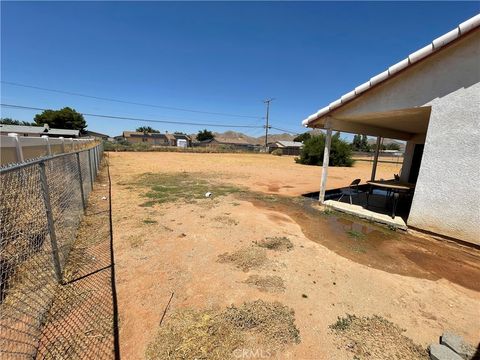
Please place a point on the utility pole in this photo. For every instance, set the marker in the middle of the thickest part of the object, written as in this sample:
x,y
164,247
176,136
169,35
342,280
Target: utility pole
x,y
267,101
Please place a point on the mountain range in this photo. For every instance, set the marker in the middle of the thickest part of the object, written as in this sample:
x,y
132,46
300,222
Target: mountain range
x,y
238,137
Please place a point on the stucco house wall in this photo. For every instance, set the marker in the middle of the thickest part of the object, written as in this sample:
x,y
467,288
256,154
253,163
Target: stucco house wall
x,y
447,194
455,67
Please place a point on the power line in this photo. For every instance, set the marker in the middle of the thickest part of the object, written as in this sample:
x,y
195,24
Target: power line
x,y
141,119
287,131
129,102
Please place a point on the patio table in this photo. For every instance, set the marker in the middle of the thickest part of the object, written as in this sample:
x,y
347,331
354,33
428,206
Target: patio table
x,y
393,186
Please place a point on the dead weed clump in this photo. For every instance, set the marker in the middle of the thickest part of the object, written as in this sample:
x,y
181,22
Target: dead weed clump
x,y
272,321
266,283
195,334
216,334
246,258
376,338
278,243
226,220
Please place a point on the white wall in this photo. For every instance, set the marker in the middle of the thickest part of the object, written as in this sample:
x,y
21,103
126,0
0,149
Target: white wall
x,y
453,68
447,195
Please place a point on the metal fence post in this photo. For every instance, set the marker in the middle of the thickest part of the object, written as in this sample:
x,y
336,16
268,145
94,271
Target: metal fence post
x,y
94,161
97,156
18,147
51,226
90,166
81,181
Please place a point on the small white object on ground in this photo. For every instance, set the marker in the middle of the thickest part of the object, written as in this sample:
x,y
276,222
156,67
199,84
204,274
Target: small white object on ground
x,y
208,194
104,198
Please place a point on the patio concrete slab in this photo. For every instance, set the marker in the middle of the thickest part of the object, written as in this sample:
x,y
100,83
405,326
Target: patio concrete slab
x,y
361,212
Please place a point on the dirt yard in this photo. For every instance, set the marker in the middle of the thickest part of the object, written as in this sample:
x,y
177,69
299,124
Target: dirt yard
x,y
256,271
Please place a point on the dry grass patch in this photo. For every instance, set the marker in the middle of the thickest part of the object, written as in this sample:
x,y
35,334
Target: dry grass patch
x,y
266,283
376,338
278,243
136,241
216,334
226,220
164,188
149,221
246,258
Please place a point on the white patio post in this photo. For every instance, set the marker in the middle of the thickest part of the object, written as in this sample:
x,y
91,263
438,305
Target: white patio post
x,y
326,159
375,158
18,147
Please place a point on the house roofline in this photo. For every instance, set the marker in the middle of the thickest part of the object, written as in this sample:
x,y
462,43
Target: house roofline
x,y
414,58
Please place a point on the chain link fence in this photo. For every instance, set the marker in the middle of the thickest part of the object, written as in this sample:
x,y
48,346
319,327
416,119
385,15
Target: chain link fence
x,y
41,205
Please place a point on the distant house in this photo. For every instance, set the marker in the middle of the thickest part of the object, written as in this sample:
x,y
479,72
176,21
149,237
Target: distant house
x,y
96,135
37,131
232,144
287,147
182,140
156,139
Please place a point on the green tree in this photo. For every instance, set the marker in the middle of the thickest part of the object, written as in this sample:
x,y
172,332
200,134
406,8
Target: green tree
x,y
147,130
360,143
205,135
66,118
303,137
392,146
313,149
356,142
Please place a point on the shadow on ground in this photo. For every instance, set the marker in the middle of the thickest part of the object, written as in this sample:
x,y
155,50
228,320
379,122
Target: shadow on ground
x,y
82,321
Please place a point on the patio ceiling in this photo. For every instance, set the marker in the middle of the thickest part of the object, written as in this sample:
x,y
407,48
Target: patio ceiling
x,y
396,124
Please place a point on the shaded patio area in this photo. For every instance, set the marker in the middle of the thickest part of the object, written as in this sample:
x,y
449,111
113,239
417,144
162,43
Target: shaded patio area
x,y
379,207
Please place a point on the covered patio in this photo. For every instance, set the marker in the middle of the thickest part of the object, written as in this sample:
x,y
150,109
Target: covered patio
x,y
434,88
386,201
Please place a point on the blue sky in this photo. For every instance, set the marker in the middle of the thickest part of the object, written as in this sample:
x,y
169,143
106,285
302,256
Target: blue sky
x,y
211,56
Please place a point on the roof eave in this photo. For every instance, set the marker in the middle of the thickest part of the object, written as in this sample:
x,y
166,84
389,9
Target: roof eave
x,y
416,57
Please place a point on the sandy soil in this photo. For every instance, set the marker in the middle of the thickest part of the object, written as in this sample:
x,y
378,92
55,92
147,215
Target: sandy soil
x,y
174,247
258,172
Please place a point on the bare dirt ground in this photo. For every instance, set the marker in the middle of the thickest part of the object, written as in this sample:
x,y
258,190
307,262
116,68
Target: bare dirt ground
x,y
169,239
265,173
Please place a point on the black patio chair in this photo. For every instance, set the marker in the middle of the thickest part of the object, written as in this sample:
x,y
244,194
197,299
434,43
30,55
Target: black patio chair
x,y
352,189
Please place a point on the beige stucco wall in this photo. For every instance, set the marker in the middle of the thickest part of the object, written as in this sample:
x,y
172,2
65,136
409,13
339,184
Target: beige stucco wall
x,y
453,68
447,195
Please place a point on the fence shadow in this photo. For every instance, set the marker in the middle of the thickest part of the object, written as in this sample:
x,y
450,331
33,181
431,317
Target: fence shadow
x,y
82,321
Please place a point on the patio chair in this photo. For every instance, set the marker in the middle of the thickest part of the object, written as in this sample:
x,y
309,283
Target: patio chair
x,y
352,189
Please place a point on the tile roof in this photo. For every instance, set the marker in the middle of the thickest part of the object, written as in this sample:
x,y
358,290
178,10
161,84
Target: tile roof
x,y
431,48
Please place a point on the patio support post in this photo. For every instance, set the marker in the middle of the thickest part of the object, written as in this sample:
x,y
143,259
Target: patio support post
x,y
326,158
375,158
